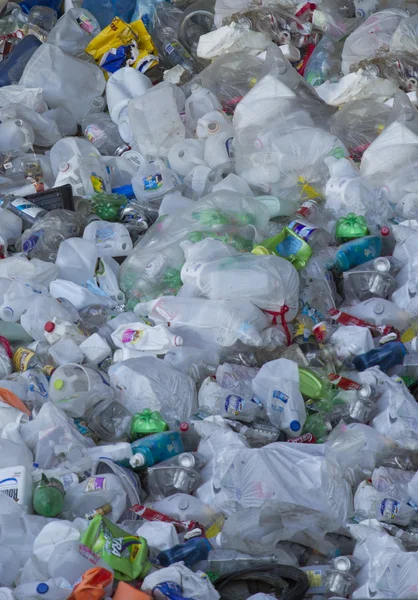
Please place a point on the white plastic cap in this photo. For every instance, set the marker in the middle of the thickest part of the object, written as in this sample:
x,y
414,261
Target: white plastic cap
x,y
137,460
187,460
64,166
178,340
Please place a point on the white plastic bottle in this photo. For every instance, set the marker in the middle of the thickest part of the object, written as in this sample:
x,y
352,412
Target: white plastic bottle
x,y
212,123
52,589
124,85
153,181
219,148
111,239
69,173
16,135
58,329
199,103
139,336
15,296
77,260
185,155
16,483
186,508
127,353
10,226
277,386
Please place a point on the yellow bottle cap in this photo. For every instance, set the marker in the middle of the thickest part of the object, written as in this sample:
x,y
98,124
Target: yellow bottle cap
x,y
260,251
58,384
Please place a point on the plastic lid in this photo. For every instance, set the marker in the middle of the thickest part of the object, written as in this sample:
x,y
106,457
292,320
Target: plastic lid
x,y
178,340
184,427
378,309
8,311
58,384
295,426
365,391
382,264
42,588
187,460
137,460
124,190
64,166
30,244
385,231
49,327
213,127
184,504
260,251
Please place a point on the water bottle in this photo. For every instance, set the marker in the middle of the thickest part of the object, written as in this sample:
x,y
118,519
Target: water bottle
x,y
370,280
357,252
44,238
103,133
179,474
190,552
109,420
48,497
155,448
387,356
174,50
25,209
42,16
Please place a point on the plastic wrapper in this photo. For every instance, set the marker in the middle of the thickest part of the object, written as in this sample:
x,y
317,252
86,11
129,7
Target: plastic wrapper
x,y
148,273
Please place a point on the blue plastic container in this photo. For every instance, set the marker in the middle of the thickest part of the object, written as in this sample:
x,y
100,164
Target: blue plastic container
x,y
26,5
387,356
190,552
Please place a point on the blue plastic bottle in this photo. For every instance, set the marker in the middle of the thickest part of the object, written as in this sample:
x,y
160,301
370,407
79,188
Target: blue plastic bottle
x,y
387,356
155,448
106,10
169,591
190,552
356,252
26,5
11,69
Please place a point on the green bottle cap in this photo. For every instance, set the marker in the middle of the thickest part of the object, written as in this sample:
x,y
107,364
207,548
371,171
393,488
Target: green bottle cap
x,y
58,384
146,423
351,227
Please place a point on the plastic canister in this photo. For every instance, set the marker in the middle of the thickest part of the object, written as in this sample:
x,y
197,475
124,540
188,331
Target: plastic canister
x,y
72,379
16,483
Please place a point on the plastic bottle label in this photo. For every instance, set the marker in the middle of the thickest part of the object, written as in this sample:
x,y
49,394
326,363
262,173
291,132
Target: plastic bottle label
x,y
279,400
97,183
234,405
27,208
10,487
303,231
21,359
153,182
93,133
104,235
389,508
85,23
95,483
289,246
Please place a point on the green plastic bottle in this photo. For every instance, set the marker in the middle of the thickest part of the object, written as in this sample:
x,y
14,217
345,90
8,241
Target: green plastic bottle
x,y
48,497
147,422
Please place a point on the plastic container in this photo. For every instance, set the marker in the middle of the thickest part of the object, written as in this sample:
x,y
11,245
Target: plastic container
x,y
190,552
111,239
155,448
48,497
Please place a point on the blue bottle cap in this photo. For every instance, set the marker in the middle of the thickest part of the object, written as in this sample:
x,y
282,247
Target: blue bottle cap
x,y
42,588
295,426
30,244
124,190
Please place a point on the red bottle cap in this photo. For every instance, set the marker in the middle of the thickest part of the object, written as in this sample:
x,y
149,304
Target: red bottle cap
x,y
49,327
184,426
385,231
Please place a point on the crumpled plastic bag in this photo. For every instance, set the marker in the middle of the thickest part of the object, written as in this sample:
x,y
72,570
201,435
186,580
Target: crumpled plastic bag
x,y
194,585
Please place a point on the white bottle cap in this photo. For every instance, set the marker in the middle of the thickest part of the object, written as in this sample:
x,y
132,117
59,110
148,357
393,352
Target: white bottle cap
x,y
137,460
187,460
64,166
178,340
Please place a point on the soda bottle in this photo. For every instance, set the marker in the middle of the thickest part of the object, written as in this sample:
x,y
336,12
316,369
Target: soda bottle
x,y
351,227
146,423
48,497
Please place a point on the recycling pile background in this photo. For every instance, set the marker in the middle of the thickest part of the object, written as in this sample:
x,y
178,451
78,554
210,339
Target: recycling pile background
x,y
208,299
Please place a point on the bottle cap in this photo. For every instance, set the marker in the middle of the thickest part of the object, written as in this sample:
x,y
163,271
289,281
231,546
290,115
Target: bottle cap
x,y
382,264
49,327
183,504
260,251
137,460
42,588
213,127
187,460
178,340
385,231
64,167
8,311
295,426
378,309
58,384
184,427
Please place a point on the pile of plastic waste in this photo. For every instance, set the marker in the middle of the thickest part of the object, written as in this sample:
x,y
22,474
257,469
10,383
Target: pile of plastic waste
x,y
208,299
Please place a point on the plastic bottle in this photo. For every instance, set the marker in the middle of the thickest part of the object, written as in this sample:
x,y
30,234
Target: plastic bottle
x,y
26,210
110,420
16,483
103,133
146,423
43,16
58,329
155,448
190,552
27,5
186,508
111,239
385,357
200,102
48,497
51,589
174,50
357,252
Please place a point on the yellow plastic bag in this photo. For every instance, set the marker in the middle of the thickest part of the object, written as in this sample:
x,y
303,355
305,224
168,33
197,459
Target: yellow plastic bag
x,y
120,45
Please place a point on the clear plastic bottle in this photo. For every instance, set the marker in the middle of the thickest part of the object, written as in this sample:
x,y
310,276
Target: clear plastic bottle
x,y
43,16
103,133
26,210
174,50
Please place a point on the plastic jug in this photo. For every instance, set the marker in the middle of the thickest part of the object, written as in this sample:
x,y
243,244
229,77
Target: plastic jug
x,y
77,260
198,104
184,156
111,239
190,552
16,483
186,508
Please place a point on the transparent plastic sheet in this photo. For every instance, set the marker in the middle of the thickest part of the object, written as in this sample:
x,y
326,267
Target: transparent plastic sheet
x,y
153,267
